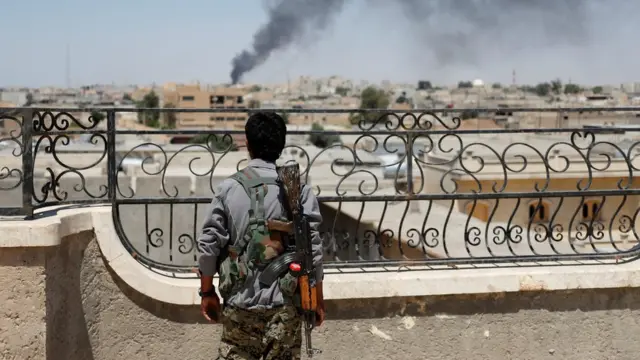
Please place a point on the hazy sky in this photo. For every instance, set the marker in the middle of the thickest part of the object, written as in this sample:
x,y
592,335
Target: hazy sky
x,y
145,41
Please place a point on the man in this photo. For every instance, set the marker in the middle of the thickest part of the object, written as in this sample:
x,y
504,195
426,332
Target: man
x,y
258,321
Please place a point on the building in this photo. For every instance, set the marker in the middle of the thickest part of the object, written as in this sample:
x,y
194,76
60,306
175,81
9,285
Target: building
x,y
9,121
195,97
19,98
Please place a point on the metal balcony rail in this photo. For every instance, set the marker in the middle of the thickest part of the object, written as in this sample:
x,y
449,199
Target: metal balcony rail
x,y
421,188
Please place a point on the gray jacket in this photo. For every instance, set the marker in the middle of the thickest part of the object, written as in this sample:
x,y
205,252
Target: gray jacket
x,y
226,223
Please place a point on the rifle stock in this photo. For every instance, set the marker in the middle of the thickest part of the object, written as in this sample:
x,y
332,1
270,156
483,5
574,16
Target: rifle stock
x,y
289,176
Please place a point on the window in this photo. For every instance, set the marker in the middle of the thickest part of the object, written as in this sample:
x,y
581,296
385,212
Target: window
x,y
188,98
481,210
590,210
216,118
240,100
216,99
539,211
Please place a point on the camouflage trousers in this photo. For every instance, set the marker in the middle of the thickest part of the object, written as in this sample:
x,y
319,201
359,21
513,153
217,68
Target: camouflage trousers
x,y
273,334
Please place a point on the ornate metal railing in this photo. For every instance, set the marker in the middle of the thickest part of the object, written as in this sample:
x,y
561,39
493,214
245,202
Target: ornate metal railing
x,y
420,188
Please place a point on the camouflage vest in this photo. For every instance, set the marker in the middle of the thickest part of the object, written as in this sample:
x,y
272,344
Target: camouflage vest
x,y
258,246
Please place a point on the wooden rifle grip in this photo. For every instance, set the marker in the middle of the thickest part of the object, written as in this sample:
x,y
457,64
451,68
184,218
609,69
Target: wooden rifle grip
x,y
309,298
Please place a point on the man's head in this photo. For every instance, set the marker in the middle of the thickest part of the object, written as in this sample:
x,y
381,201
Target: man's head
x,y
266,135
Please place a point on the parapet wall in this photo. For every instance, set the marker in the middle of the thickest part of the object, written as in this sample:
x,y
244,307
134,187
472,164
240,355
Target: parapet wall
x,y
70,291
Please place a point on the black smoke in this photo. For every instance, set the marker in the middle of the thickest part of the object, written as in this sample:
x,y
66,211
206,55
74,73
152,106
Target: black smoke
x,y
460,31
453,31
289,21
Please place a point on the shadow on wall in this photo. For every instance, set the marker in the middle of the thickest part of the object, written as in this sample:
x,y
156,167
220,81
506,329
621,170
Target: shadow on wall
x,y
92,314
345,238
67,326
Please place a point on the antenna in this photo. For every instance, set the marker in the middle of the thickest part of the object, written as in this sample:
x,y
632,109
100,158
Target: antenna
x,y
513,77
68,67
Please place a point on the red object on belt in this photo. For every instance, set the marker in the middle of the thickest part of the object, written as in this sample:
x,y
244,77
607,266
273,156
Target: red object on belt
x,y
295,267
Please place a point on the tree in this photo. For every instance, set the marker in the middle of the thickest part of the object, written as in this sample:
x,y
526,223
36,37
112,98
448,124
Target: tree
x,y
255,88
597,90
322,140
342,91
556,86
425,85
215,142
127,97
543,89
496,86
371,98
149,118
169,117
572,89
285,117
96,116
465,85
254,104
402,98
469,114
29,99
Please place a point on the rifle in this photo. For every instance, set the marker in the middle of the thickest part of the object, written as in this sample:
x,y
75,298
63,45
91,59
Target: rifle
x,y
298,259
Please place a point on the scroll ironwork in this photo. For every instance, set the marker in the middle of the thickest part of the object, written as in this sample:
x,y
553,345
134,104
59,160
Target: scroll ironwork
x,y
415,188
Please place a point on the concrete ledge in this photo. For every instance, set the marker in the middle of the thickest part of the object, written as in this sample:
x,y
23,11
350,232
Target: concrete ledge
x,y
49,230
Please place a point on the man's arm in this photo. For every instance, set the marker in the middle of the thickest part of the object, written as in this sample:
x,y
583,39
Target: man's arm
x,y
311,209
213,237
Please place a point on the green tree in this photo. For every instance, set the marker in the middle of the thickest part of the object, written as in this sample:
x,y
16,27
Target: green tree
x,y
425,85
572,89
556,86
255,88
542,89
322,140
285,117
496,86
342,91
96,116
469,114
215,142
465,84
371,98
29,99
254,104
147,117
169,118
597,90
402,98
127,97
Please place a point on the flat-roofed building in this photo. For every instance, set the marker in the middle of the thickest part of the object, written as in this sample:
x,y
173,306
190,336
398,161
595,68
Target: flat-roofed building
x,y
194,97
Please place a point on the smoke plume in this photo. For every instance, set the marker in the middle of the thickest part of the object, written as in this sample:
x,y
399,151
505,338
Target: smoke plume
x,y
460,31
289,21
453,31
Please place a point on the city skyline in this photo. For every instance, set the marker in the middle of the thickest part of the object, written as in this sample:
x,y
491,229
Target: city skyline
x,y
146,42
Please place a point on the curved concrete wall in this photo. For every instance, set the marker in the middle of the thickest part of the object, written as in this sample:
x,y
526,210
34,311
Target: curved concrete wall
x,y
80,299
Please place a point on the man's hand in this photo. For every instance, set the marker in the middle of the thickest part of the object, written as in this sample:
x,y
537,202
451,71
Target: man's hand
x,y
210,308
320,314
320,301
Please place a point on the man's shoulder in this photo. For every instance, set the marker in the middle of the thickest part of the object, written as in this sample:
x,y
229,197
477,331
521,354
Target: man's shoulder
x,y
234,182
226,186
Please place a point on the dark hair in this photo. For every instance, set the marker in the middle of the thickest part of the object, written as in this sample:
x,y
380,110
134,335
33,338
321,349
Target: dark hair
x,y
266,135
